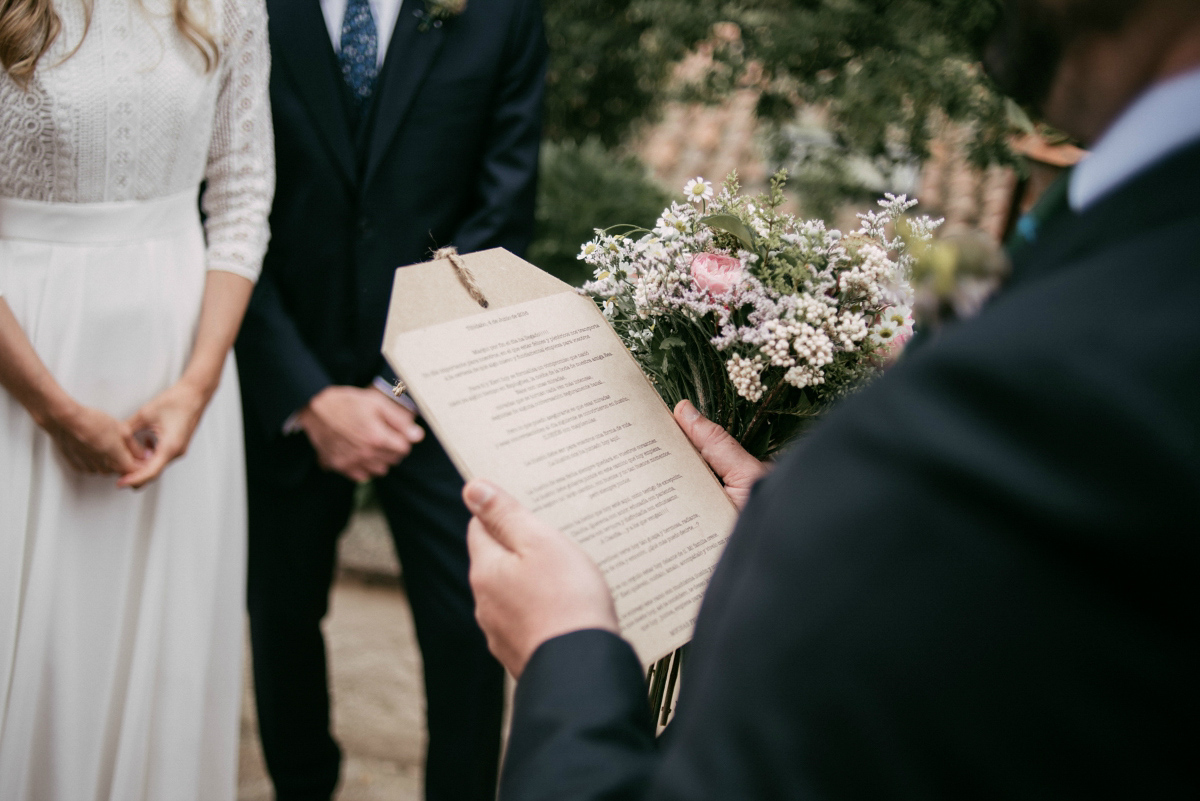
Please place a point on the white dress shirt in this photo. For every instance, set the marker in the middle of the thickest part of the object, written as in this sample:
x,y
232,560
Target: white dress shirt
x,y
385,12
1164,119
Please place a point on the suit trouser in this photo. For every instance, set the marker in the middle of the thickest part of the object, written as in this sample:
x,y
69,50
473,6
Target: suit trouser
x,y
293,538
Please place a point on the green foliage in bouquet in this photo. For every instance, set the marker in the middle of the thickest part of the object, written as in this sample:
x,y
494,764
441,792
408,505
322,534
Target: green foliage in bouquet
x,y
760,319
581,186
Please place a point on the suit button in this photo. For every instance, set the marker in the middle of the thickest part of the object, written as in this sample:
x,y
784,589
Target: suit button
x,y
364,225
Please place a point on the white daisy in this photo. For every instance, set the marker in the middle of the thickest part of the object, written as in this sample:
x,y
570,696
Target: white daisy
x,y
656,250
698,189
884,334
898,316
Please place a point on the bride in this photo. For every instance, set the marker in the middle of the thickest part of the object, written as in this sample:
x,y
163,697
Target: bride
x,y
121,559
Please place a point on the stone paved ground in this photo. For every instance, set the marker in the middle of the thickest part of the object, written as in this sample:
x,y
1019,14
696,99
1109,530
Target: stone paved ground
x,y
379,714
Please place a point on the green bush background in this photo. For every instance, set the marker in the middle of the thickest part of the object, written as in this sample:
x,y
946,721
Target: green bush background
x,y
583,187
884,71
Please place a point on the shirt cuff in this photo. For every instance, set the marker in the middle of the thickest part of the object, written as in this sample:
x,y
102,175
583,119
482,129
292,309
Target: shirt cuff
x,y
387,388
292,424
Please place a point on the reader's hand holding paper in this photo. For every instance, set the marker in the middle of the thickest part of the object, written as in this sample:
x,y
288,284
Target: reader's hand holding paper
x,y
359,432
531,582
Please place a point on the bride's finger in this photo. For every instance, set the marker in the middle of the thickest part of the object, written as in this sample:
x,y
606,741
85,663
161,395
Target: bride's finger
x,y
168,447
122,459
121,454
146,473
133,444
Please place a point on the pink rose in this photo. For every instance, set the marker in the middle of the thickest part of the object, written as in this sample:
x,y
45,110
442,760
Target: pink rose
x,y
715,273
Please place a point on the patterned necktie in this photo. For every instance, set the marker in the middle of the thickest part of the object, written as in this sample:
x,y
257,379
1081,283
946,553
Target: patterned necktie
x,y
359,52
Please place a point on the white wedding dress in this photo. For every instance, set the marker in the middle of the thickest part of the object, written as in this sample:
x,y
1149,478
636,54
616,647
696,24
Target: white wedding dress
x,y
121,612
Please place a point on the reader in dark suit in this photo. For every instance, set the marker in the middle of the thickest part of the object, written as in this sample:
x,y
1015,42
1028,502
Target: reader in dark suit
x,y
976,579
400,128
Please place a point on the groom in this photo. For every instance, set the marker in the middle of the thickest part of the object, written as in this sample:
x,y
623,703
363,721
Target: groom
x,y
399,128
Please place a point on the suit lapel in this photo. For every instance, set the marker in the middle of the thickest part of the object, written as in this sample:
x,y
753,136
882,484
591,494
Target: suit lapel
x,y
301,41
410,54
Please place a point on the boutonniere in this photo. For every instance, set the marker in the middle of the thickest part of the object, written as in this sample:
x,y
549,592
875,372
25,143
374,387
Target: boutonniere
x,y
436,12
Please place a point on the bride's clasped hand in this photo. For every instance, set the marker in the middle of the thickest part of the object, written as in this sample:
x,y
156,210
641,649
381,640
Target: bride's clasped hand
x,y
93,441
162,430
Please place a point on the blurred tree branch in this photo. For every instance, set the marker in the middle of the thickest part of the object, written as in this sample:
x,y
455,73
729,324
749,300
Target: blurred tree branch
x,y
882,70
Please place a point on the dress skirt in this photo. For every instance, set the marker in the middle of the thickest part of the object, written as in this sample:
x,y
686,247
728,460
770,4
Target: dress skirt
x,y
121,612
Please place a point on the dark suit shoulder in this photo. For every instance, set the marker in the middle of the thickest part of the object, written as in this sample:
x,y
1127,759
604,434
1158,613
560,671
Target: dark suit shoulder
x,y
1103,342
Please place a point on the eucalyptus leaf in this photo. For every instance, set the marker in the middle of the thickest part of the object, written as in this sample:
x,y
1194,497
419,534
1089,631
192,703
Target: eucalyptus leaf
x,y
731,225
671,342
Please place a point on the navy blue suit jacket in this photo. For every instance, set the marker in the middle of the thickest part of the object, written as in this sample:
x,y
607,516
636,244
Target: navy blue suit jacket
x,y
976,579
447,154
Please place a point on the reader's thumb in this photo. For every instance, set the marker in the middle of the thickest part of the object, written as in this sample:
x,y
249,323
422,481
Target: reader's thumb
x,y
506,520
715,444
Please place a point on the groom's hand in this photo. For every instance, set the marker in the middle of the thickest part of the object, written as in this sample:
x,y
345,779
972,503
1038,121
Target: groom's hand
x,y
531,582
358,432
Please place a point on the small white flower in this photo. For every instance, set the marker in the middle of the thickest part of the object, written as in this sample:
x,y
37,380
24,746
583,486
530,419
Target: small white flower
x,y
803,375
899,317
698,189
745,374
656,250
670,225
814,345
610,308
588,250
884,333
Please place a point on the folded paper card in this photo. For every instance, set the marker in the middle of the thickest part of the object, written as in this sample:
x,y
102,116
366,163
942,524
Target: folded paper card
x,y
525,384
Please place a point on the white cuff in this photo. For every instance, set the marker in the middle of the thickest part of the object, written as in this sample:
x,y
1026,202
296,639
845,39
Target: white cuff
x,y
383,385
292,424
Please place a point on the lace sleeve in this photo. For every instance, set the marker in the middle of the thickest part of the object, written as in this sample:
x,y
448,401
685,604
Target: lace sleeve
x,y
241,156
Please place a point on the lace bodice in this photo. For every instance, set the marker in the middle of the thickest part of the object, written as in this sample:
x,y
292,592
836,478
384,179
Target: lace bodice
x,y
132,115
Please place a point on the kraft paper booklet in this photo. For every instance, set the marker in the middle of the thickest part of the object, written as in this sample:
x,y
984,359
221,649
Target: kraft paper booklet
x,y
538,394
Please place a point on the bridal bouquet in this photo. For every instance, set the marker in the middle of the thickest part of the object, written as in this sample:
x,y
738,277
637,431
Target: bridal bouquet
x,y
760,319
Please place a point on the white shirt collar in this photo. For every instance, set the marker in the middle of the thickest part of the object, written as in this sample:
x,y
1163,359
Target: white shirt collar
x,y
1164,119
385,13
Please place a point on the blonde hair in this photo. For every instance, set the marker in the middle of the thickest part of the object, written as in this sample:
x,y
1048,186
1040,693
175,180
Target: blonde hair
x,y
29,27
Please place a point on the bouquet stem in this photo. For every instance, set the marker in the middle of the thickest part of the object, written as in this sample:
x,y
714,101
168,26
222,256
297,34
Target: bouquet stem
x,y
661,681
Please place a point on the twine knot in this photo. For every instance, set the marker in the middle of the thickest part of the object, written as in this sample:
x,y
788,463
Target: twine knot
x,y
464,273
